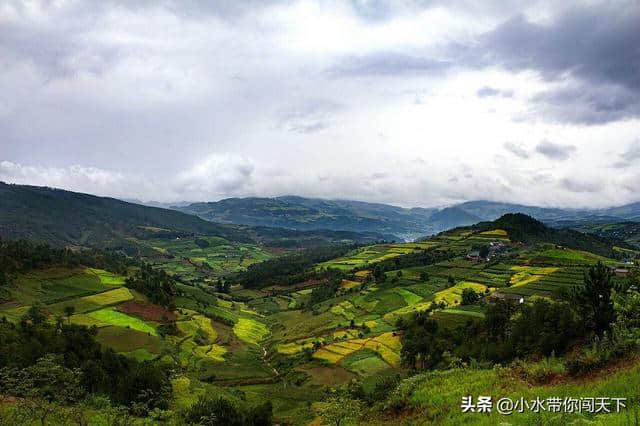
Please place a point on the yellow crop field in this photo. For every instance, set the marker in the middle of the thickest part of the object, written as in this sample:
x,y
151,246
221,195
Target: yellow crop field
x,y
250,330
327,355
389,356
453,295
110,297
293,348
347,284
386,345
363,274
389,340
224,303
212,352
345,334
495,232
205,324
528,274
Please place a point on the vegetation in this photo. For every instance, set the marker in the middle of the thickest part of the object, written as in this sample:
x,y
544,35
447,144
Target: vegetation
x,y
205,330
156,284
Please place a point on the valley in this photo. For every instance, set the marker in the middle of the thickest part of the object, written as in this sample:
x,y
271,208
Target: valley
x,y
309,327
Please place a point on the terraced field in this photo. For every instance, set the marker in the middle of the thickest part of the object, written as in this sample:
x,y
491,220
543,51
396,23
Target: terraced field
x,y
256,341
371,255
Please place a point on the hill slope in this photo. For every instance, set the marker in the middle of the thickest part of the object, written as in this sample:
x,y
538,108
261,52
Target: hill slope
x,y
62,218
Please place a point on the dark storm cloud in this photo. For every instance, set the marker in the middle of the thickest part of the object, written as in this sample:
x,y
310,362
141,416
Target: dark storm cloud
x,y
389,64
599,48
587,103
487,91
555,151
516,150
601,45
595,49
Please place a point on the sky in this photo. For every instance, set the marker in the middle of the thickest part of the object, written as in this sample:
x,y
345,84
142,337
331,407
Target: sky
x,y
413,103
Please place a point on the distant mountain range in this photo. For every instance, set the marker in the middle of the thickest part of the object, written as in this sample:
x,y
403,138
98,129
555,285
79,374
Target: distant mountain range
x,y
68,218
65,218
301,213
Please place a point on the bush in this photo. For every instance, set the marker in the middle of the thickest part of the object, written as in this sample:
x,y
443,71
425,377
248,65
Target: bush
x,y
541,372
219,411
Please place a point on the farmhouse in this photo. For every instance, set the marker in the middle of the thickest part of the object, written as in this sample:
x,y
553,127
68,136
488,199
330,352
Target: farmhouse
x,y
509,297
473,255
621,272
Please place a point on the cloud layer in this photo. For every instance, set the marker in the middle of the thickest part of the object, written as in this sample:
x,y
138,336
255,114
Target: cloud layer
x,y
409,102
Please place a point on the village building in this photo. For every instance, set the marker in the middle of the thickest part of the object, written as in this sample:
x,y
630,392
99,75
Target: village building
x,y
509,297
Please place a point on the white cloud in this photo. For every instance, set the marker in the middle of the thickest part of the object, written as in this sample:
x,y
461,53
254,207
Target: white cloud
x,y
201,100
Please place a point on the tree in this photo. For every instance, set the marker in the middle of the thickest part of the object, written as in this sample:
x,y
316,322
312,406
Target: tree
x,y
423,342
424,276
483,251
469,296
497,318
337,410
36,314
593,300
69,311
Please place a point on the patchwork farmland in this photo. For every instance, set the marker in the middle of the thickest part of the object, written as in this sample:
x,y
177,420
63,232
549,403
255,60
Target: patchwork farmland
x,y
280,341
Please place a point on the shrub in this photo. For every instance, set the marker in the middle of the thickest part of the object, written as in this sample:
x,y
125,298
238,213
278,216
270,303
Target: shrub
x,y
541,372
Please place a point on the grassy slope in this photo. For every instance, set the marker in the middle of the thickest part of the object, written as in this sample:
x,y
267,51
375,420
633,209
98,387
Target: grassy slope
x,y
423,404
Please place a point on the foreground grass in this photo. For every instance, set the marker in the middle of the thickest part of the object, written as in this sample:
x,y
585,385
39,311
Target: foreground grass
x,y
435,397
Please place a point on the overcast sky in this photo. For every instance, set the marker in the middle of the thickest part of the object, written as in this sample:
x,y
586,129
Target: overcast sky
x,y
415,103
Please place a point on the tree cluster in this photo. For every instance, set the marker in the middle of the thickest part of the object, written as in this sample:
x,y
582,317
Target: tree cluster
x,y
156,284
63,362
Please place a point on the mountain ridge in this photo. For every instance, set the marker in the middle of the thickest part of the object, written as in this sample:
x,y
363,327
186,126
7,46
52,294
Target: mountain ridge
x,y
297,212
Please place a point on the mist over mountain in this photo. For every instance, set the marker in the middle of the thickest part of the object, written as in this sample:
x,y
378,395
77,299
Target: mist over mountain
x,y
302,213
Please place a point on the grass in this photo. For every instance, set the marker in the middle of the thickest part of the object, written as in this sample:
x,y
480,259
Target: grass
x,y
126,340
365,363
109,316
106,277
250,330
221,256
54,285
409,297
443,407
574,256
14,314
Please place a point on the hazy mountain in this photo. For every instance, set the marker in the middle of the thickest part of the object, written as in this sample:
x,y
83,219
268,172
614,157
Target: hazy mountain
x,y
302,213
310,213
490,210
64,218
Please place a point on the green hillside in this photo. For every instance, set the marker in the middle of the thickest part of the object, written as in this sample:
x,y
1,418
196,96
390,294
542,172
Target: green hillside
x,y
311,332
64,218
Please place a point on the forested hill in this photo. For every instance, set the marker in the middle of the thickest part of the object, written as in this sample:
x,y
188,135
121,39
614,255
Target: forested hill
x,y
523,228
302,213
64,218
310,213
